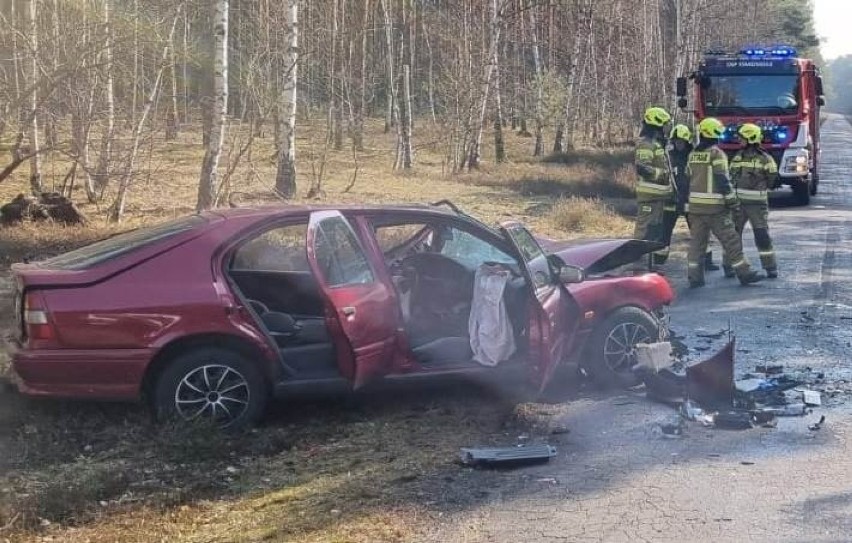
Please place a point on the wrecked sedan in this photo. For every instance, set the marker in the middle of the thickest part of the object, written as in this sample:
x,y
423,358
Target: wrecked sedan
x,y
208,315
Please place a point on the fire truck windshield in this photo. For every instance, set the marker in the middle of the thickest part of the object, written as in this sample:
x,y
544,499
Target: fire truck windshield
x,y
746,94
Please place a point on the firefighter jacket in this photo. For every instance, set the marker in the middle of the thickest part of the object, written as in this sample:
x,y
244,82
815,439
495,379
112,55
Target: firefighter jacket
x,y
709,182
653,171
753,171
679,161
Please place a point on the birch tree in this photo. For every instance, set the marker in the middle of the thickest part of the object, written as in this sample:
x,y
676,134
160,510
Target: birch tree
x,y
35,160
219,107
285,175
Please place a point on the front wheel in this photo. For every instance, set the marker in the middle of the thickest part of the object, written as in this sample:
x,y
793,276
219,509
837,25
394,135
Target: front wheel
x,y
611,351
211,385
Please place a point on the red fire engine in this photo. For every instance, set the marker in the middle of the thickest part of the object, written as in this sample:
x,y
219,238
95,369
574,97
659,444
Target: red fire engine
x,y
774,89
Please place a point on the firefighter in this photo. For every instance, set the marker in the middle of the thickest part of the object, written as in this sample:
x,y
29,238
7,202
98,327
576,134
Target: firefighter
x,y
681,145
711,201
653,188
752,172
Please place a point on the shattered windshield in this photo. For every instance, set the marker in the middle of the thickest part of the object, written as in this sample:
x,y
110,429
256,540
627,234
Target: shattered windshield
x,y
751,94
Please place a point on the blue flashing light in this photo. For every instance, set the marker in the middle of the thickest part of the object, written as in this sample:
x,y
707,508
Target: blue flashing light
x,y
776,51
780,135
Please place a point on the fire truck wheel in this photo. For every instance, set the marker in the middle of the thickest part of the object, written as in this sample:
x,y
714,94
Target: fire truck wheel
x,y
802,193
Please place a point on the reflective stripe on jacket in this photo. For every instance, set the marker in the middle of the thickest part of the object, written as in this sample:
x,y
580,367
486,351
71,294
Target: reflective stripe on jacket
x,y
652,168
709,183
753,172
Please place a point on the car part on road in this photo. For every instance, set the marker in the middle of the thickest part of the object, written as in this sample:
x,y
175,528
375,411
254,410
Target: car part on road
x,y
734,420
654,356
711,382
507,456
212,385
811,398
612,346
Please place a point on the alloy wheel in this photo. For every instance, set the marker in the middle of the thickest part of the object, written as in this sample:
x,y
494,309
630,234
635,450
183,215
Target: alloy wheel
x,y
213,392
620,345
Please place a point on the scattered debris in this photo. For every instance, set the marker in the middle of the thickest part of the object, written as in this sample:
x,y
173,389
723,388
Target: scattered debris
x,y
654,356
770,370
507,456
49,206
734,420
817,425
746,463
673,430
560,430
811,398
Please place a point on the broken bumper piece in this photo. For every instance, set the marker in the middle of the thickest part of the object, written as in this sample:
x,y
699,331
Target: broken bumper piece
x,y
531,454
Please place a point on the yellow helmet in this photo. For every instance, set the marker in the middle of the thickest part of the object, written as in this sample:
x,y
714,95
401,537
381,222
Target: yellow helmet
x,y
711,128
751,133
681,132
656,116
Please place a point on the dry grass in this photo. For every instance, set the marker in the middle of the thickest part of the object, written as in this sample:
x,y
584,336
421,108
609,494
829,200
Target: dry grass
x,y
351,470
588,216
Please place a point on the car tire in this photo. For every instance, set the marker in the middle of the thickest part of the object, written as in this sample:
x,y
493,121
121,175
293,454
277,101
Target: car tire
x,y
814,185
620,331
802,193
212,385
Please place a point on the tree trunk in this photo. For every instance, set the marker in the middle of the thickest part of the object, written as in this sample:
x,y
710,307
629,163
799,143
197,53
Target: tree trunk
x,y
101,176
219,111
404,146
285,176
475,147
172,106
35,161
390,115
538,150
499,145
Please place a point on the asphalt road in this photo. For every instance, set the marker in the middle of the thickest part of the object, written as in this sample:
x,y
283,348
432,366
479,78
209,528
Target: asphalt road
x,y
618,479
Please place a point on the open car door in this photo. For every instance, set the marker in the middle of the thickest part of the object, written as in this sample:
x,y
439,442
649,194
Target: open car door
x,y
555,317
359,307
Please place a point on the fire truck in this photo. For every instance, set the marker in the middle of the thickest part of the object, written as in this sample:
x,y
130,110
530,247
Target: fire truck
x,y
773,88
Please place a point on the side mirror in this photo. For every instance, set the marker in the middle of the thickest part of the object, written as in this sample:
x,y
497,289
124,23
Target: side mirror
x,y
680,87
571,274
681,103
820,101
819,87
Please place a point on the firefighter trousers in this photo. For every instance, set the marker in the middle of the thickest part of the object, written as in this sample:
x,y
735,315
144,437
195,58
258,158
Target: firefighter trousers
x,y
758,216
649,223
670,217
721,225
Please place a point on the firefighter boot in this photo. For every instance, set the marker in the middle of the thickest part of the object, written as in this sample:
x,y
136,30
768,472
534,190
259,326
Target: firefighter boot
x,y
750,278
709,265
729,272
772,273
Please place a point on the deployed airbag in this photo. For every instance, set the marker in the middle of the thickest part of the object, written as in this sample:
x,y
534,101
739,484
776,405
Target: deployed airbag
x,y
491,335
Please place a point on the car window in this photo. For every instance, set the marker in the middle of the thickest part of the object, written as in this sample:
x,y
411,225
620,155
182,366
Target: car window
x,y
281,249
471,250
339,255
395,236
534,257
115,246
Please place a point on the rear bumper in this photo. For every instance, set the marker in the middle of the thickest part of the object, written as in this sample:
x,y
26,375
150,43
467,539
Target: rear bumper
x,y
108,374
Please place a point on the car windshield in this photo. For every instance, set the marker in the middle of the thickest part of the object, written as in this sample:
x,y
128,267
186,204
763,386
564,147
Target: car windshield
x,y
751,94
115,246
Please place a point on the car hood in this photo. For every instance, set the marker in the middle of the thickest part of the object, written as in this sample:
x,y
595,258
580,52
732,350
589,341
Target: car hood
x,y
599,256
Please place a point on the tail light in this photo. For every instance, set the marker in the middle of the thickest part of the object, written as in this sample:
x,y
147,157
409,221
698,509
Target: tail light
x,y
36,319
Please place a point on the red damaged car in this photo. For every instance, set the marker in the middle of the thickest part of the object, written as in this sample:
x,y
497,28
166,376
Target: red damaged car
x,y
208,315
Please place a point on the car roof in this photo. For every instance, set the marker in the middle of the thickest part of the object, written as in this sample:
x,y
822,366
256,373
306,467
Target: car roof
x,y
285,210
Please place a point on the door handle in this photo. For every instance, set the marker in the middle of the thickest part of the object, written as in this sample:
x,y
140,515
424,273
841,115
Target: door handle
x,y
349,311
